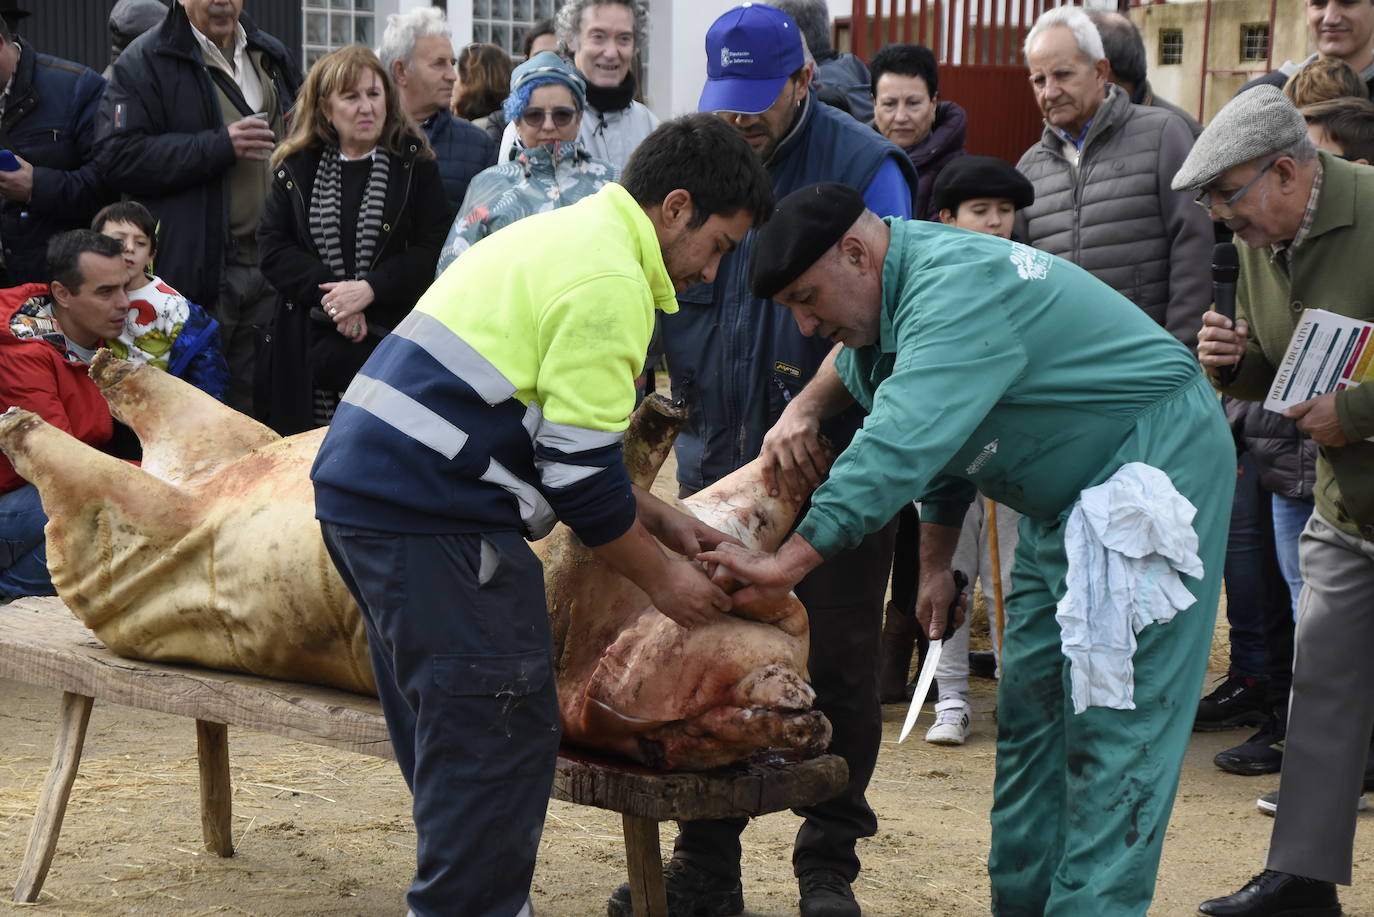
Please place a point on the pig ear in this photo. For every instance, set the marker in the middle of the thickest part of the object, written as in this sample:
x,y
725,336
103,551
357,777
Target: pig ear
x,y
185,433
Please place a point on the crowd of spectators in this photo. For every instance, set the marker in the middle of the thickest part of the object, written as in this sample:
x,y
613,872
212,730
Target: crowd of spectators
x,y
294,220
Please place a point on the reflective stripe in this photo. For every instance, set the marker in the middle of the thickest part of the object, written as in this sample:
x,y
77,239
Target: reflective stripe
x,y
567,438
457,356
538,516
534,416
397,409
559,474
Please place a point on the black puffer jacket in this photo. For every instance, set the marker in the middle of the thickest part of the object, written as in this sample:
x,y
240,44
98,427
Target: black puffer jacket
x,y
1286,457
162,141
50,123
415,220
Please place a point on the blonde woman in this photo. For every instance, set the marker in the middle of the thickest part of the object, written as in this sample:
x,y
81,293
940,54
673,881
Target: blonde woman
x,y
351,231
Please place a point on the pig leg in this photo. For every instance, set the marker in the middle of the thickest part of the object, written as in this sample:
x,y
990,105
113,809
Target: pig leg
x,y
650,436
90,498
185,433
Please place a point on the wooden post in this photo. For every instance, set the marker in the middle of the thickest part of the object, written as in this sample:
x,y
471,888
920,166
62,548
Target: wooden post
x,y
216,792
52,800
995,555
645,864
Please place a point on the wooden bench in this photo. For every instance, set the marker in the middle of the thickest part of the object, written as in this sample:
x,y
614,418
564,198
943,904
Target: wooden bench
x,y
42,643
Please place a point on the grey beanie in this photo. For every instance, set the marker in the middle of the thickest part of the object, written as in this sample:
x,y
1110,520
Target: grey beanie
x,y
1255,123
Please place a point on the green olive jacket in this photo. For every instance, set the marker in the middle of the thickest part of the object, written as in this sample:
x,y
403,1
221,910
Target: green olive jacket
x,y
1332,269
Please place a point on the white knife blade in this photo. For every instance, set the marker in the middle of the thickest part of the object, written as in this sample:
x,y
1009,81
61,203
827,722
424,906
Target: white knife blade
x,y
923,681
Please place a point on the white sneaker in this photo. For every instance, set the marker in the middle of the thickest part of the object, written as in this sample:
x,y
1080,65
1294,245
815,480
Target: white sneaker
x,y
951,722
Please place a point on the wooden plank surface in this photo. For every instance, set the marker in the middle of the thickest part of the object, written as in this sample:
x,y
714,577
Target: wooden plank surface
x,y
753,787
42,643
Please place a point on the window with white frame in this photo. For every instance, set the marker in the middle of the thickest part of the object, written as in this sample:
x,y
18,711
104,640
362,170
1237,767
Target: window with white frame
x,y
505,22
334,24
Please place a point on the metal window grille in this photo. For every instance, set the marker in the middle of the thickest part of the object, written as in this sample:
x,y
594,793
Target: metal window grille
x,y
1171,46
1254,42
334,24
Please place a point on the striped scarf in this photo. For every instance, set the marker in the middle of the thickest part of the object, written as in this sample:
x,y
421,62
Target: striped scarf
x,y
326,202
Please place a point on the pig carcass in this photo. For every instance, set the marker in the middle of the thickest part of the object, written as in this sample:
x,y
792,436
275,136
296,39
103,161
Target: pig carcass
x,y
209,553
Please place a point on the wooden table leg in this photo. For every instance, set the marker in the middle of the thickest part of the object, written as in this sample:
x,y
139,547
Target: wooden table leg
x,y
216,792
645,863
52,800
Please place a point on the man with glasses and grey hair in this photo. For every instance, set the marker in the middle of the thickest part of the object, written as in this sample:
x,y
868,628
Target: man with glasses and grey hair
x,y
417,51
1300,216
1101,172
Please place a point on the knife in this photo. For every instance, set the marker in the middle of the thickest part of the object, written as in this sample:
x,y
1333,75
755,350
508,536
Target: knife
x,y
932,660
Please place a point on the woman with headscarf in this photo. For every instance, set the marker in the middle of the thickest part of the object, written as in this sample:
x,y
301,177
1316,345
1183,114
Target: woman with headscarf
x,y
351,230
552,168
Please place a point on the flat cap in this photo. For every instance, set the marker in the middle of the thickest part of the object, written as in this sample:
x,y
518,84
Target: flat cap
x,y
969,177
803,227
1255,123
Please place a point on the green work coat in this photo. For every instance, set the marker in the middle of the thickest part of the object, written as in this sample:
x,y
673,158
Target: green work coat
x,y
999,368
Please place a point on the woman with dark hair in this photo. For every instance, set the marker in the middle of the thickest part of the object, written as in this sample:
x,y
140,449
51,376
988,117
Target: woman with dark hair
x,y
350,233
483,74
907,111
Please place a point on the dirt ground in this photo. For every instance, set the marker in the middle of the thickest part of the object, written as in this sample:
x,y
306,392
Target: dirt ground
x,y
324,832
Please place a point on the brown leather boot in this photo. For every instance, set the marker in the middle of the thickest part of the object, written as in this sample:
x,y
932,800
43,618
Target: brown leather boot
x,y
894,654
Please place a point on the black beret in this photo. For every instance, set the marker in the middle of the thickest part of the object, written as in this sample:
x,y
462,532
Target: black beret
x,y
802,228
968,177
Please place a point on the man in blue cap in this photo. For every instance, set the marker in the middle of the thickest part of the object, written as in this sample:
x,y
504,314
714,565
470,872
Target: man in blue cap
x,y
736,360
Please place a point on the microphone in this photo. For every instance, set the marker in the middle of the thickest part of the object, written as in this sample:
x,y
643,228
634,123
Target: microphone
x,y
1225,272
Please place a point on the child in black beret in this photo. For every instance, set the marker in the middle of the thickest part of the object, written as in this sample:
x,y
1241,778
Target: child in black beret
x,y
982,194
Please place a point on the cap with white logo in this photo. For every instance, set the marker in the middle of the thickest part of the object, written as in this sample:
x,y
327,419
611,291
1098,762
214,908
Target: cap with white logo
x,y
751,50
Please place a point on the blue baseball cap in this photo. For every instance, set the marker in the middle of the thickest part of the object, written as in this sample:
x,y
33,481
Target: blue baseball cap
x,y
751,50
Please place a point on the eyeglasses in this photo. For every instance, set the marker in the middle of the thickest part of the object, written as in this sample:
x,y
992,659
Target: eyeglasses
x,y
562,117
1225,210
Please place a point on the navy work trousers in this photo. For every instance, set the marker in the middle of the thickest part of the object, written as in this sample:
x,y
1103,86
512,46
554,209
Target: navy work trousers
x,y
460,644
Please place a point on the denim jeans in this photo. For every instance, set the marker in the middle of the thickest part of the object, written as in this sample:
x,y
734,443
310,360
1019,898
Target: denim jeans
x,y
23,553
1290,517
1249,548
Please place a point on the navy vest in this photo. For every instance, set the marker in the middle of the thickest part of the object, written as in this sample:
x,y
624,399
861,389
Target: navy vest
x,y
736,360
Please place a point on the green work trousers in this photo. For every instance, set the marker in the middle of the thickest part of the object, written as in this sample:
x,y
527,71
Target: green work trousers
x,y
1081,802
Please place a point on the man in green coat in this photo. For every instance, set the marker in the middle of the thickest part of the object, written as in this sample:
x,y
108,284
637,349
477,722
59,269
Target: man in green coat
x,y
1307,223
987,365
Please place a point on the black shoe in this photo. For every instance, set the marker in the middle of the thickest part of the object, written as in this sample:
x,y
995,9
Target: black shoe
x,y
1236,701
692,892
982,664
1277,894
826,893
1262,753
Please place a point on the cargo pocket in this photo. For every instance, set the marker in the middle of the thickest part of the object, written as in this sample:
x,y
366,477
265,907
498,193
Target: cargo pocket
x,y
500,715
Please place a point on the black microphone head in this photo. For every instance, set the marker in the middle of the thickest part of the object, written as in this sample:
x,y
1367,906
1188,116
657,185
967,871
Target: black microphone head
x,y
1225,263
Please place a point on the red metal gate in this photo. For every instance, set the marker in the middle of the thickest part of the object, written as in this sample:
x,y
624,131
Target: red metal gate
x,y
978,44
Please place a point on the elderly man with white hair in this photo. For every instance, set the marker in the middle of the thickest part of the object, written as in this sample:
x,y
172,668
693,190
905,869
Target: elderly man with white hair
x,y
417,50
1303,217
1101,173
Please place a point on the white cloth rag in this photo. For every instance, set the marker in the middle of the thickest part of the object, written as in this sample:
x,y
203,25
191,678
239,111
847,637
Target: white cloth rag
x,y
1126,540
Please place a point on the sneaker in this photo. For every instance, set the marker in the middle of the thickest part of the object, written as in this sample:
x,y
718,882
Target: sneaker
x,y
692,892
826,893
1277,894
1236,701
1262,753
1269,803
951,722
